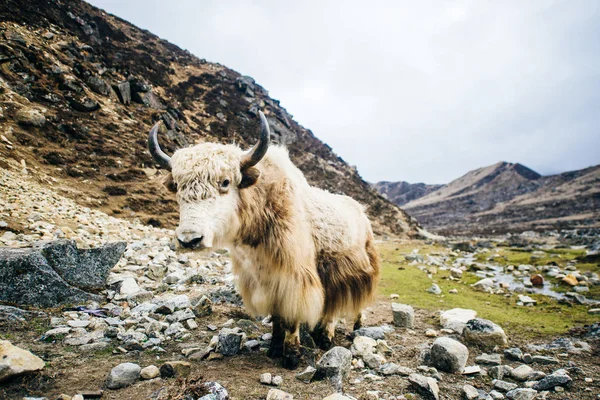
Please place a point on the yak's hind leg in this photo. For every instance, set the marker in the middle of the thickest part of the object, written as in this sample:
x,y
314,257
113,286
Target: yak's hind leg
x,y
358,321
276,348
323,334
292,350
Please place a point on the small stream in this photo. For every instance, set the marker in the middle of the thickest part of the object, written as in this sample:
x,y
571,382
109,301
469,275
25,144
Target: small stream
x,y
515,283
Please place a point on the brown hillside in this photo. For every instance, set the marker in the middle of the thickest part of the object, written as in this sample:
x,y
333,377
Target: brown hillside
x,y
101,83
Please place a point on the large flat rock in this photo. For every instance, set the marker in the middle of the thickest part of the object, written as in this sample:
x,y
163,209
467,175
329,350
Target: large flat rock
x,y
55,273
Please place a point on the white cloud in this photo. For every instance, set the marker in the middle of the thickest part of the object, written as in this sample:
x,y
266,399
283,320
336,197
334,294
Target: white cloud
x,y
417,91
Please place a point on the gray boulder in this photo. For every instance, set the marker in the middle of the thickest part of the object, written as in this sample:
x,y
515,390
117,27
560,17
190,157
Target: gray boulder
x,y
484,333
374,332
404,315
449,355
55,273
123,375
426,387
551,381
230,341
335,365
86,269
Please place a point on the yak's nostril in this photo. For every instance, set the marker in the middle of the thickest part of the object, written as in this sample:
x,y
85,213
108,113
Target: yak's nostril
x,y
192,243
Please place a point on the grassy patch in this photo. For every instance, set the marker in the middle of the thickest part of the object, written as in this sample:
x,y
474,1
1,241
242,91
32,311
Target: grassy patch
x,y
548,317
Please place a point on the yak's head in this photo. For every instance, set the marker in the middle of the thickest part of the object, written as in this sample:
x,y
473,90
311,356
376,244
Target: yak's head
x,y
207,179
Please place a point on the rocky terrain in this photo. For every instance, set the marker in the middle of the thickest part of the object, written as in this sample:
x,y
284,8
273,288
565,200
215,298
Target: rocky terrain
x,y
80,89
402,192
169,325
503,197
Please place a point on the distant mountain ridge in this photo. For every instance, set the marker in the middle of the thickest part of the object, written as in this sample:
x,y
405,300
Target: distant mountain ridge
x,y
403,192
504,197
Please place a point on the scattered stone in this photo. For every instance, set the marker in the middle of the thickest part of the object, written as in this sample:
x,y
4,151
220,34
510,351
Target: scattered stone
x,y
362,345
149,372
472,370
394,296
521,373
514,354
265,378
499,371
276,380
83,104
470,393
553,380
544,360
570,280
230,341
526,300
276,394
306,375
374,332
123,375
374,360
335,365
484,333
484,284
426,387
123,90
495,395
456,273
453,291
404,315
435,289
521,394
337,396
489,359
30,117
431,333
456,318
449,355
16,361
594,311
216,392
504,386
537,280
175,369
394,369
202,307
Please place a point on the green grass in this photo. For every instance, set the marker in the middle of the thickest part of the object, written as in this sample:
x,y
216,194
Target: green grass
x,y
548,317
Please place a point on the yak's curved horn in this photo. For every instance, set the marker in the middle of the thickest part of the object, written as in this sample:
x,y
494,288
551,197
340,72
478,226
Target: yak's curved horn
x,y
159,156
259,150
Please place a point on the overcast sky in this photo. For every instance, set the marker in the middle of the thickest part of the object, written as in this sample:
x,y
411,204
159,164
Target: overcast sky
x,y
421,91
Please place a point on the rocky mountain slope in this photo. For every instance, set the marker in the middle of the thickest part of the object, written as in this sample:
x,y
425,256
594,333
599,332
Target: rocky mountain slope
x,y
402,192
80,89
507,197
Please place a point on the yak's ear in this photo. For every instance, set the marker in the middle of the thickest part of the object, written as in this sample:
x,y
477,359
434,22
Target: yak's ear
x,y
249,177
170,183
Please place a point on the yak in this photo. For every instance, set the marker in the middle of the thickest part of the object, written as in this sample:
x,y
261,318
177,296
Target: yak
x,y
299,253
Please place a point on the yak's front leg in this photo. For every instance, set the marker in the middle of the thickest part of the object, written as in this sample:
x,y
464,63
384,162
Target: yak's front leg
x,y
276,348
292,351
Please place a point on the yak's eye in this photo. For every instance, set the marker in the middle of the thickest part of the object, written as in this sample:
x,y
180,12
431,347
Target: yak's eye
x,y
224,186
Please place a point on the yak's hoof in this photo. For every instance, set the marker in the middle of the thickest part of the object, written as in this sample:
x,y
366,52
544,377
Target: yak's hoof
x,y
291,358
275,351
325,343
